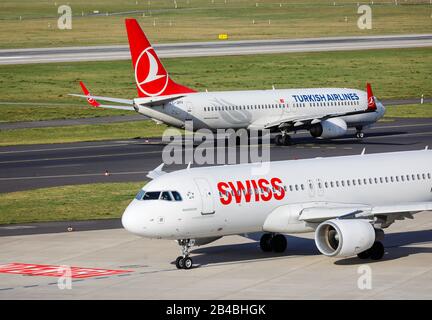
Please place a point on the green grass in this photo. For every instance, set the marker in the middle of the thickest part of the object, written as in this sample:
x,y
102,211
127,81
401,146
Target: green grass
x,y
394,73
121,130
409,111
78,202
202,20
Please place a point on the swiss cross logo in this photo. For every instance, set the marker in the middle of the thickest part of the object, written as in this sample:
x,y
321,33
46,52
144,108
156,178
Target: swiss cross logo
x,y
56,271
150,76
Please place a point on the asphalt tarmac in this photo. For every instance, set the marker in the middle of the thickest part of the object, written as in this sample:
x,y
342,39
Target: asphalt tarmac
x,y
36,166
196,49
233,267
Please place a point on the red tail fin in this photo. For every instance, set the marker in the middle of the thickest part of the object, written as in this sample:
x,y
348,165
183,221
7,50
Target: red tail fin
x,y
150,75
91,101
370,98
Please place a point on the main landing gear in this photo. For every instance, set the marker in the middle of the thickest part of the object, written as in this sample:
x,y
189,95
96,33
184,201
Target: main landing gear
x,y
273,242
283,139
184,261
359,133
376,252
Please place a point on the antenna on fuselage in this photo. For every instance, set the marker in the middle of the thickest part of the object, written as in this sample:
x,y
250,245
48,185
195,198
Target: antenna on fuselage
x,y
363,152
189,165
427,148
273,87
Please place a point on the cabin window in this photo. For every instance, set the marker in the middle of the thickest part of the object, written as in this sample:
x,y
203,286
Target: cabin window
x,y
176,196
429,175
166,196
140,195
348,183
152,195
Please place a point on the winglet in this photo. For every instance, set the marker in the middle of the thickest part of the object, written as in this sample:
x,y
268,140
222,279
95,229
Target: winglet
x,y
370,98
156,173
91,101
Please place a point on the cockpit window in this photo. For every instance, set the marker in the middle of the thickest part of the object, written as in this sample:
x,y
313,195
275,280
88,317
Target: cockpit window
x,y
153,195
176,195
140,195
166,196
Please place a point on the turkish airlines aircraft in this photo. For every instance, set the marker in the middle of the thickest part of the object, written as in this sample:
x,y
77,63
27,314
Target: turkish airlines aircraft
x,y
324,112
346,201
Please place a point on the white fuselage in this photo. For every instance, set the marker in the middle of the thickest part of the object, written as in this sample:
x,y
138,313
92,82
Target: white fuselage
x,y
256,109
213,206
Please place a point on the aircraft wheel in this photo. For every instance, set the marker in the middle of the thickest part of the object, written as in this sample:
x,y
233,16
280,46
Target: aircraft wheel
x,y
286,140
364,255
377,251
188,263
180,262
266,242
279,243
278,140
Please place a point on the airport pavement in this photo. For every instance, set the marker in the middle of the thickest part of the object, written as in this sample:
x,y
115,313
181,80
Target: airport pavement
x,y
36,166
197,49
230,268
139,117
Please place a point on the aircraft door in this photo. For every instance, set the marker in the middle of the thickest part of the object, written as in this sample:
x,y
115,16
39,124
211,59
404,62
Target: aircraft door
x,y
311,188
206,196
189,110
320,187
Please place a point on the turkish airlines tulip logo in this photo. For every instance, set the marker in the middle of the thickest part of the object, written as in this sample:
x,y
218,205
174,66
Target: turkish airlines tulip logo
x,y
151,78
371,102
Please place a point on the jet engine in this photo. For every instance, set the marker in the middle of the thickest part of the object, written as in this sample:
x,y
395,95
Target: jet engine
x,y
331,128
339,237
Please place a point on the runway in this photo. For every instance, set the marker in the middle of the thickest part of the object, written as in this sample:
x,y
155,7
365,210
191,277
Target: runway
x,y
37,166
220,48
230,268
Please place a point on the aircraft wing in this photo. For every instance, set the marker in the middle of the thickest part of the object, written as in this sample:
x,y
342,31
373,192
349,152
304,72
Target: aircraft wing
x,y
397,211
299,122
293,123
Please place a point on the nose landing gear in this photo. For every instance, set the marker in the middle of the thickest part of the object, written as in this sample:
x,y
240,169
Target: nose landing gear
x,y
184,261
359,133
283,139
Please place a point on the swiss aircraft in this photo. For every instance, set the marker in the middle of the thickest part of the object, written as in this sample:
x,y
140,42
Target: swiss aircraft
x,y
347,201
324,112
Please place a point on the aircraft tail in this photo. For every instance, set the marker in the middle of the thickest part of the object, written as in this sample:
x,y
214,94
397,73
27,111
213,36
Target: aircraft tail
x,y
151,78
370,98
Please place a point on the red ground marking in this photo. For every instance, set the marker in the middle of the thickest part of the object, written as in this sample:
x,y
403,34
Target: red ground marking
x,y
57,271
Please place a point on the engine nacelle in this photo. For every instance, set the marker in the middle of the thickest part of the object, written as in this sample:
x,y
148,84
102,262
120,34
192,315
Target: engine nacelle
x,y
331,128
344,238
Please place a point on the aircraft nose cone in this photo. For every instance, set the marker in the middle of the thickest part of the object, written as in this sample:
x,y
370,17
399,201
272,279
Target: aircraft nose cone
x,y
130,219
